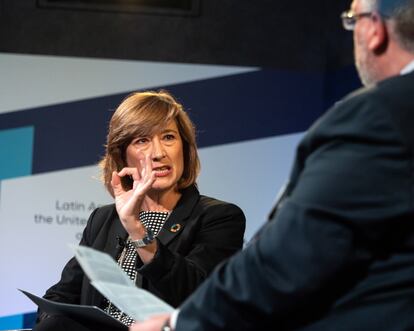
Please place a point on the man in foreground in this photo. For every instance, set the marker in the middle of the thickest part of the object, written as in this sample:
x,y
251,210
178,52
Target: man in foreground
x,y
338,253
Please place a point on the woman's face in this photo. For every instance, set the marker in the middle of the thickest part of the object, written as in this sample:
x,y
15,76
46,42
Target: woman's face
x,y
166,151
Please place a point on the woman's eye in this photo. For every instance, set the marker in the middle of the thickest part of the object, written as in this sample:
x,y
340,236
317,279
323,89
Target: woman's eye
x,y
140,141
169,137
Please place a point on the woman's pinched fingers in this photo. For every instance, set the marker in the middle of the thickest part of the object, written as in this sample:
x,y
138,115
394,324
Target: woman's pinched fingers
x,y
130,171
116,183
144,185
145,164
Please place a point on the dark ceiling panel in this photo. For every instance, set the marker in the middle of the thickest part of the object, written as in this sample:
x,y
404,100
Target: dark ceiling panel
x,y
303,34
156,7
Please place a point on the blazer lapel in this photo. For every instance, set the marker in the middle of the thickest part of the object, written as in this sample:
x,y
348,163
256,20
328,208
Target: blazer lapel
x,y
117,238
283,193
178,218
280,198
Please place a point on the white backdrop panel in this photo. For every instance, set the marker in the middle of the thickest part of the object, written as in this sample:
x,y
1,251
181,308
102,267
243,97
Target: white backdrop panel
x,y
41,214
248,174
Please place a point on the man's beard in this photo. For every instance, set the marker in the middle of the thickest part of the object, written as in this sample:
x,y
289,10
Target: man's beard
x,y
365,65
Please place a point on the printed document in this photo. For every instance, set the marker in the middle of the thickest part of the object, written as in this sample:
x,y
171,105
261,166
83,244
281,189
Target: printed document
x,y
113,283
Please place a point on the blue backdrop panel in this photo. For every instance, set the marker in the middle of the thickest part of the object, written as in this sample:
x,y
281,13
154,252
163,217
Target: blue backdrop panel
x,y
16,146
19,321
11,322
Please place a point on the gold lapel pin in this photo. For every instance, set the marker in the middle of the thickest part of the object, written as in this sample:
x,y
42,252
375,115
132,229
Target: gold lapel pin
x,y
175,228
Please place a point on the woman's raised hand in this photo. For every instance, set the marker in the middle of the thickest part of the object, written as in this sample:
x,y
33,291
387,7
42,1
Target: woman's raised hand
x,y
128,203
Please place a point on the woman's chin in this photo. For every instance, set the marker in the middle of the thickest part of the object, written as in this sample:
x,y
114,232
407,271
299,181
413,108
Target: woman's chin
x,y
161,186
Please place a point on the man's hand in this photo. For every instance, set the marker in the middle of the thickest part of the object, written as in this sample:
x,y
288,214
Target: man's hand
x,y
154,323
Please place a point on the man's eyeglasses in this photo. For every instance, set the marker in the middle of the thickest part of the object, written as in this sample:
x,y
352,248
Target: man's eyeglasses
x,y
349,19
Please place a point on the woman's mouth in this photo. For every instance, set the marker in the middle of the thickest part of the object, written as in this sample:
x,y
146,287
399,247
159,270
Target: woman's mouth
x,y
162,171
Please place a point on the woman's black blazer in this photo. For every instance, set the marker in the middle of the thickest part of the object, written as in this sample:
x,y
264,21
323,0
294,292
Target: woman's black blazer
x,y
200,233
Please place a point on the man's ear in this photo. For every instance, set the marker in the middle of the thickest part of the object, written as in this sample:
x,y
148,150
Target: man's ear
x,y
377,34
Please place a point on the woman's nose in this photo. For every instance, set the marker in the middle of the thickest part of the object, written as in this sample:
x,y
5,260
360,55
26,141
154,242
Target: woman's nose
x,y
158,151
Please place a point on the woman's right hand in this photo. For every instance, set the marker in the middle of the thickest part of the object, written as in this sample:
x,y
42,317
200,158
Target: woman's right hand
x,y
128,202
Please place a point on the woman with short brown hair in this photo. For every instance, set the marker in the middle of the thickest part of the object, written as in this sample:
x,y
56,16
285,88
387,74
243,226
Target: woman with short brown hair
x,y
163,233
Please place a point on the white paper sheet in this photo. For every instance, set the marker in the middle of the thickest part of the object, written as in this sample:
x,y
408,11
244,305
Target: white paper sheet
x,y
113,283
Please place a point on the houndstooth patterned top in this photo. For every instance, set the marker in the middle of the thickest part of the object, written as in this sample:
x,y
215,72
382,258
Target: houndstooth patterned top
x,y
152,220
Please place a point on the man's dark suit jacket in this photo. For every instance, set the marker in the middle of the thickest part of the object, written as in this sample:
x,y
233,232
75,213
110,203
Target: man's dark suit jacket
x,y
339,252
200,233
